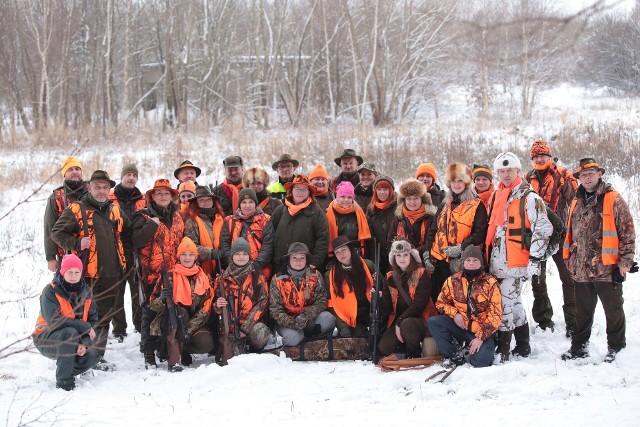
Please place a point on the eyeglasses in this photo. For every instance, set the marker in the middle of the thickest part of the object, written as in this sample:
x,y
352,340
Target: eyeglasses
x,y
301,190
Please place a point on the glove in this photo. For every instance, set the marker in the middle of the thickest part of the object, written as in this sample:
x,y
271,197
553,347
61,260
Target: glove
x,y
634,267
187,339
453,251
427,262
301,321
533,268
165,293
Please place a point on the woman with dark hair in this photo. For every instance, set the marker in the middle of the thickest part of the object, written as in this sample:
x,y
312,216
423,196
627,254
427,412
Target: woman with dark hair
x,y
405,297
380,215
350,281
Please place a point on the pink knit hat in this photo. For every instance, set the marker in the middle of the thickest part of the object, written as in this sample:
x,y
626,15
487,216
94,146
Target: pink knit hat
x,y
345,188
70,261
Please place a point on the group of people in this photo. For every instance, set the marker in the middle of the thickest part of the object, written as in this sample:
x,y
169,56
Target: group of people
x,y
273,264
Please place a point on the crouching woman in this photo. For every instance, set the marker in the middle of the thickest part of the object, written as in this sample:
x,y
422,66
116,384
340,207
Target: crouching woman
x,y
406,297
64,329
192,295
242,283
298,299
471,309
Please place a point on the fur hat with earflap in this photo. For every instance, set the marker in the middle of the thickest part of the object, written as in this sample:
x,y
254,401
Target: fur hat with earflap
x,y
457,171
255,175
413,187
402,246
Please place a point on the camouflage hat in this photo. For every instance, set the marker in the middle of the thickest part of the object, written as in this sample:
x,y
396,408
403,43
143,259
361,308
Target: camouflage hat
x,y
368,166
588,163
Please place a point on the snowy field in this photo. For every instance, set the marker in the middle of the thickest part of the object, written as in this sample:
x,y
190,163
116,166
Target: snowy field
x,y
270,390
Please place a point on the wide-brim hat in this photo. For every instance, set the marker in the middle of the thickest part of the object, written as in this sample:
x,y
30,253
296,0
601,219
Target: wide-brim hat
x,y
588,163
285,158
100,175
161,184
298,248
348,152
341,241
184,165
204,191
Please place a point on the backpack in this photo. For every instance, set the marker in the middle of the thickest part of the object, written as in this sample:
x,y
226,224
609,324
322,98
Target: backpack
x,y
556,237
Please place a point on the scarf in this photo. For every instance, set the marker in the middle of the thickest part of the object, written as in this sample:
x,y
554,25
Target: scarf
x,y
542,167
295,209
346,308
317,192
296,274
209,238
182,286
232,191
376,203
413,216
239,273
361,218
497,209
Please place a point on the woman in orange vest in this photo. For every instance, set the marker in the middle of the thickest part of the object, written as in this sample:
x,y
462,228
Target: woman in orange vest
x,y
405,302
346,218
192,295
251,223
64,329
298,299
248,288
460,221
203,227
157,232
350,280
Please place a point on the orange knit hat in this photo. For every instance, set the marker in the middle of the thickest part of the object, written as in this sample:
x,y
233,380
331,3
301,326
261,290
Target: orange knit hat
x,y
319,172
187,186
540,148
427,168
186,245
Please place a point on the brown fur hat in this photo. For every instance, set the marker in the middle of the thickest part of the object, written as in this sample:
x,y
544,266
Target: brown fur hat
x,y
255,174
455,171
413,187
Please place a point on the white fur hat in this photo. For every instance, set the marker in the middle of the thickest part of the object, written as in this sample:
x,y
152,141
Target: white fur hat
x,y
505,161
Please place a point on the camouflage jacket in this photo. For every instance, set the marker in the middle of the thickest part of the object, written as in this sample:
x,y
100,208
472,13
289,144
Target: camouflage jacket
x,y
315,297
556,186
585,259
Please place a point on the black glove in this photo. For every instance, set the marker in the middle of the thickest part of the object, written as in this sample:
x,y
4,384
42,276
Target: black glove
x,y
619,278
634,267
166,293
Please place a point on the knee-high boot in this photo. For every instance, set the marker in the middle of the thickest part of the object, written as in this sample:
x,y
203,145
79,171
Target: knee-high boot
x,y
523,348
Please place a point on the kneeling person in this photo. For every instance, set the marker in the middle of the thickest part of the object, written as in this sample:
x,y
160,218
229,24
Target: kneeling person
x,y
472,312
298,299
64,329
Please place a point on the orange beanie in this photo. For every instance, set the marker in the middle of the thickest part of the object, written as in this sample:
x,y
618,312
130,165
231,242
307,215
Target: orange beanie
x,y
187,186
186,245
427,168
319,172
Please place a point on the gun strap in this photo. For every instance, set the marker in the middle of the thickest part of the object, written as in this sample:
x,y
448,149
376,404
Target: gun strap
x,y
405,295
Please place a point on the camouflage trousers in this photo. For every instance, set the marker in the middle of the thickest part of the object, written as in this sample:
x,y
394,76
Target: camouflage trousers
x,y
513,312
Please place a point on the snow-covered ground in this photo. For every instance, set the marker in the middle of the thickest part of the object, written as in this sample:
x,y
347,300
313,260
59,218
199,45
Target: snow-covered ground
x,y
270,390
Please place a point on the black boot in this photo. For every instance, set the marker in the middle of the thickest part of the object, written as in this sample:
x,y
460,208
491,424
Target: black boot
x,y
505,345
523,348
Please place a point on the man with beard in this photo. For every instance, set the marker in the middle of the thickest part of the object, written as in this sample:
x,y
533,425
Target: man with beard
x,y
72,189
286,168
348,162
129,199
227,192
92,228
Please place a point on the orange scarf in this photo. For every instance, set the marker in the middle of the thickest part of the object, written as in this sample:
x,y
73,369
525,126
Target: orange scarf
x,y
542,167
497,209
317,192
384,205
361,218
182,287
347,307
234,189
206,240
295,209
263,204
413,216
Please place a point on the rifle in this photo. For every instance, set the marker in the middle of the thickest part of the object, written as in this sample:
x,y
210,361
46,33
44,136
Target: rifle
x,y
136,280
374,311
225,351
173,311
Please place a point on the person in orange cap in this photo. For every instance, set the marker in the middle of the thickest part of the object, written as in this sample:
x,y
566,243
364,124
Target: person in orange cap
x,y
321,191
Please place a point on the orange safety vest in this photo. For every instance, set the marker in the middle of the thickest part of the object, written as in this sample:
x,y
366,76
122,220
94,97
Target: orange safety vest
x,y
210,239
453,226
61,203
347,307
65,309
254,235
116,217
151,254
430,309
610,241
295,299
517,255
